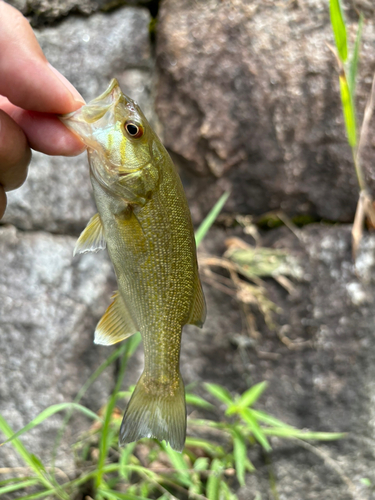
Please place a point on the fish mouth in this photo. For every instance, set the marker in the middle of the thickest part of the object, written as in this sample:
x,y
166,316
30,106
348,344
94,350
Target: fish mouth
x,y
111,95
86,119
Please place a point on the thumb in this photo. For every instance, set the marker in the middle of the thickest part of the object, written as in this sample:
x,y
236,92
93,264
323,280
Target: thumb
x,y
27,79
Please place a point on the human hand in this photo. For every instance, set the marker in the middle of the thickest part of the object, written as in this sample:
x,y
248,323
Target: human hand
x,y
32,92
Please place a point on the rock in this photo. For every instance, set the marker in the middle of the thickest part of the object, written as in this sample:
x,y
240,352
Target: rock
x,y
249,101
49,306
319,363
47,11
285,118
57,194
50,303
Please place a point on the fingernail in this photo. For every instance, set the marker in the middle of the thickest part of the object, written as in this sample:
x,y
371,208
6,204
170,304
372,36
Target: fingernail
x,y
76,95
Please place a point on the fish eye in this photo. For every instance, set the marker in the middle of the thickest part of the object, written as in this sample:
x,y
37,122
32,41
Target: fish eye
x,y
133,129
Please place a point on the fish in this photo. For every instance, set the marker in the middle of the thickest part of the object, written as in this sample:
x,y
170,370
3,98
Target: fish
x,y
144,222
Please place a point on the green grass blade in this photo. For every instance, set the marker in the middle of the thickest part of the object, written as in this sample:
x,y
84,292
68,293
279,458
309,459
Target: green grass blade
x,y
355,57
48,412
348,110
179,464
24,454
268,419
42,494
249,397
213,481
201,464
194,400
206,446
339,29
17,445
124,460
126,350
306,435
255,428
226,493
240,455
211,217
219,392
18,486
14,480
80,395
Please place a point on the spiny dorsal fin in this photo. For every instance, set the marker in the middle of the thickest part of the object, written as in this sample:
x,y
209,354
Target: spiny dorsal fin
x,y
91,239
116,323
198,311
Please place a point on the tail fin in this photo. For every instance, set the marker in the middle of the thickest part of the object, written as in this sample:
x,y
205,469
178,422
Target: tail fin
x,y
161,416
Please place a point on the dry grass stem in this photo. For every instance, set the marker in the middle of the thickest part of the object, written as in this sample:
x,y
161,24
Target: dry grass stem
x,y
20,471
366,121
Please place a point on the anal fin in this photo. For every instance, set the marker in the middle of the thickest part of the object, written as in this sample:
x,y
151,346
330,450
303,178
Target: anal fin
x,y
91,238
116,323
198,311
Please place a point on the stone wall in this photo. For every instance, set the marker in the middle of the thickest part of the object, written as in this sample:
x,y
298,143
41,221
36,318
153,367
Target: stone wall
x,y
245,96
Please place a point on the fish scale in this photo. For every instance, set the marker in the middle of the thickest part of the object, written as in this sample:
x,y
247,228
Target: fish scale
x,y
144,220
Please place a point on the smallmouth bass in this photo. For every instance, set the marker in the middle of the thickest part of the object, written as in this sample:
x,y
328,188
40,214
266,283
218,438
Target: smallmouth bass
x,y
144,221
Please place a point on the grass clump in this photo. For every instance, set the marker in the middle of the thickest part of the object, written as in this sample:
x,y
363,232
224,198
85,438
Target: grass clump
x,y
214,460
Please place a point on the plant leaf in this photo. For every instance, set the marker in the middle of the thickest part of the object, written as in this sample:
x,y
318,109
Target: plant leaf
x,y
18,486
201,463
24,453
348,109
213,481
205,445
240,455
178,462
124,460
210,218
193,399
249,397
288,433
126,350
38,464
219,392
255,428
48,412
269,419
339,29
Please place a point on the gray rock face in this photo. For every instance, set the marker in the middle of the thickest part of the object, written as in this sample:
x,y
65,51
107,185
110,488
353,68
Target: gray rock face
x,y
49,306
323,380
47,11
248,97
57,195
50,303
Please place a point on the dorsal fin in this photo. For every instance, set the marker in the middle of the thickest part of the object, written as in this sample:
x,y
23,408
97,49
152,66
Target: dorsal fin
x,y
198,311
116,323
91,238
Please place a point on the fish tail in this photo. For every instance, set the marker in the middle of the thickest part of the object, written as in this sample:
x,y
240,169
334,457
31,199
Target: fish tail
x,y
160,415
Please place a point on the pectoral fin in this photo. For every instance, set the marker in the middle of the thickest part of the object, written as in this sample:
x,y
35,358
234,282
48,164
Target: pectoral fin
x,y
198,312
92,238
116,323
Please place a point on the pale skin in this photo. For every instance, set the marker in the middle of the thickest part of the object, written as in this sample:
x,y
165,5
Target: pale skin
x,y
32,93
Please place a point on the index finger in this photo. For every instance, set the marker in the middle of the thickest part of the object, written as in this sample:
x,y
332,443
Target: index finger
x,y
27,79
